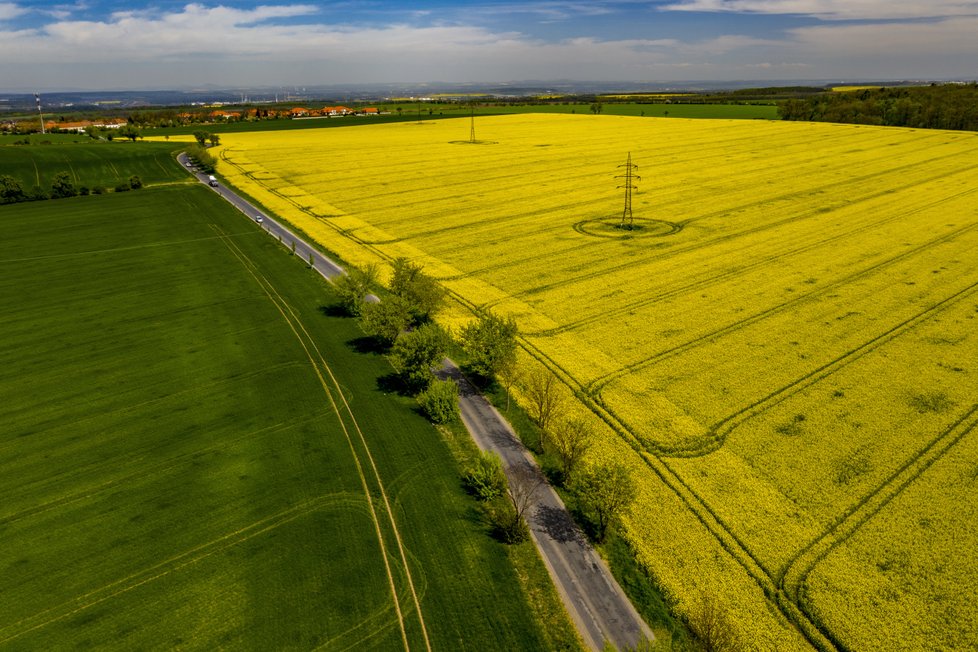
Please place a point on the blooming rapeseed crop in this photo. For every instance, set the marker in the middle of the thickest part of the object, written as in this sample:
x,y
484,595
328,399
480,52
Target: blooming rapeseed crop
x,y
784,350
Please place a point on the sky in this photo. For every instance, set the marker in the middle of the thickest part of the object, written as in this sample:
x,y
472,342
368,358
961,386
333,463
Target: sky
x,y
169,44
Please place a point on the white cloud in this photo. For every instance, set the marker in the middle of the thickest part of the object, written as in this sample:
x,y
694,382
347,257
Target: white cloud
x,y
10,10
256,47
836,9
951,37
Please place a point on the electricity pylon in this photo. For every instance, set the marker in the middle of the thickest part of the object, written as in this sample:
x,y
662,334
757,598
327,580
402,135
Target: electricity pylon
x,y
37,98
472,128
629,186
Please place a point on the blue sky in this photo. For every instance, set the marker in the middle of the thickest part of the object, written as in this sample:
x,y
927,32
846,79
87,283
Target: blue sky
x,y
94,44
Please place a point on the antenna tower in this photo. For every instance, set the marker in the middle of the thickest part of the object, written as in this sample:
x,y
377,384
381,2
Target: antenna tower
x,y
37,98
629,186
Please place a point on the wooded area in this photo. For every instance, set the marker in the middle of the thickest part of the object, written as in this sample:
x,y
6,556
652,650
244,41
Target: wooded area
x,y
945,106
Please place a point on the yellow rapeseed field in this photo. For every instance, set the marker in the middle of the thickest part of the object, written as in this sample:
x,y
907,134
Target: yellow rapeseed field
x,y
784,350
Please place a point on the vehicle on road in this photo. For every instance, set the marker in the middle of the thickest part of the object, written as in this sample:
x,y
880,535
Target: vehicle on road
x,y
212,180
259,219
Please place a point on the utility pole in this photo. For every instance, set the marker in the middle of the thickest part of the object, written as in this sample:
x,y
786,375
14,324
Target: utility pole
x,y
472,128
37,98
629,186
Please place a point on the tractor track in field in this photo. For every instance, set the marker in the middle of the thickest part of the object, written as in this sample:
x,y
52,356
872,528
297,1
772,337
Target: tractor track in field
x,y
333,392
767,226
778,586
797,570
733,272
595,386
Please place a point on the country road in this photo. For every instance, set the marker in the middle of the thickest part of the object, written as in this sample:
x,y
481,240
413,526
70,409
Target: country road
x,y
595,601
597,604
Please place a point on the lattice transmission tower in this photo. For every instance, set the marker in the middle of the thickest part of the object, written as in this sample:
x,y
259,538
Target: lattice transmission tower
x,y
627,221
472,127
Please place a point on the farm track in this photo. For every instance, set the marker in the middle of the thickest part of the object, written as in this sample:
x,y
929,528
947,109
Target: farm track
x,y
320,365
595,386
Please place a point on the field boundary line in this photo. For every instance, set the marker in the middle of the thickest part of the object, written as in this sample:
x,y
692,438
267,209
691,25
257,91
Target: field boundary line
x,y
283,306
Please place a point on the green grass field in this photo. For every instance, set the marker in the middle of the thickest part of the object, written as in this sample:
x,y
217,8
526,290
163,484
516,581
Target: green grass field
x,y
91,163
178,466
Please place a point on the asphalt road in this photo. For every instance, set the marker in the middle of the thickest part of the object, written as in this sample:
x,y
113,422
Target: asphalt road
x,y
321,263
593,598
595,601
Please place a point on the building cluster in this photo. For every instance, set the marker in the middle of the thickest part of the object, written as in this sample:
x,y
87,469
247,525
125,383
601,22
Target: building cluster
x,y
82,125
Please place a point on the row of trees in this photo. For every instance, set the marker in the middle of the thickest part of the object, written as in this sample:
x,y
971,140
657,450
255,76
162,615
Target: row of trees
x,y
12,190
601,492
202,158
939,106
404,327
205,137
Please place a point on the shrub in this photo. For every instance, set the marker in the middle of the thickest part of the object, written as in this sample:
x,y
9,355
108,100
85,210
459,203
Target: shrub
x,y
484,476
440,401
135,182
122,186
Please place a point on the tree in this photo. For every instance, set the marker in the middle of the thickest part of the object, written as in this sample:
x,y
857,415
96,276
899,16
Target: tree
x,y
201,137
135,182
440,401
354,286
713,627
509,375
130,132
386,320
596,108
62,186
606,491
571,438
424,295
214,139
541,389
490,342
11,190
522,490
484,476
415,352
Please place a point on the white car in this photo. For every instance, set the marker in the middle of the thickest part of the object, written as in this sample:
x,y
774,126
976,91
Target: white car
x,y
259,219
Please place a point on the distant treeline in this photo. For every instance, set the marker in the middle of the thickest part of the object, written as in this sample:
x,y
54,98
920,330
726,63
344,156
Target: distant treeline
x,y
944,106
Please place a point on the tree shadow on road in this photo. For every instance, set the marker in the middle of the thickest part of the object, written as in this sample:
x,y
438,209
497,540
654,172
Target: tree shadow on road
x,y
558,524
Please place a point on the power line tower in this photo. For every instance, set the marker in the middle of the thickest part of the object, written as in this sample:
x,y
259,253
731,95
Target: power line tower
x,y
472,127
629,186
37,98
